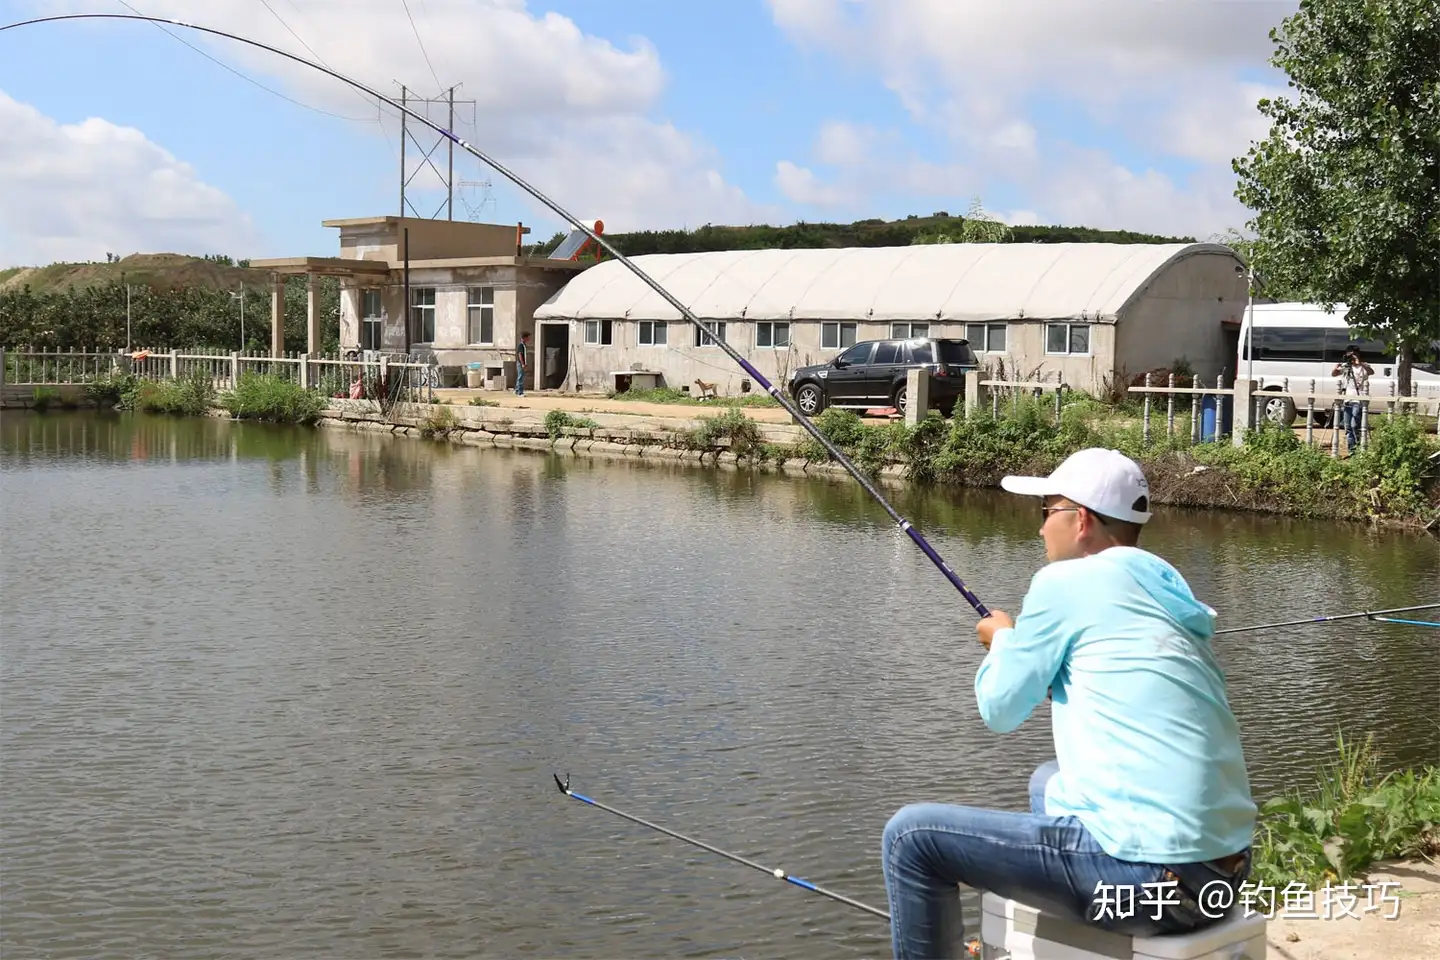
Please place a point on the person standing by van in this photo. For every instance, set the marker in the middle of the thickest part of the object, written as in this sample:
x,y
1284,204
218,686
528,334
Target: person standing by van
x,y
1353,374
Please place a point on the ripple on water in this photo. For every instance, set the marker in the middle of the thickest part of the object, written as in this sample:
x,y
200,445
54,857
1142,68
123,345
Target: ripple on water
x,y
293,694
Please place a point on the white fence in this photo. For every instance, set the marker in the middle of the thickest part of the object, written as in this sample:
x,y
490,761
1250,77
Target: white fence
x,y
399,376
1212,413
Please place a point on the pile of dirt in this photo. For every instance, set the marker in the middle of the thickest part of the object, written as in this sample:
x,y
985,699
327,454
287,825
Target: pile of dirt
x,y
160,271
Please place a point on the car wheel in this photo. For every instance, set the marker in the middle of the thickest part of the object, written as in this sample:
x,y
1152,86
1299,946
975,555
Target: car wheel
x,y
809,399
1279,410
902,397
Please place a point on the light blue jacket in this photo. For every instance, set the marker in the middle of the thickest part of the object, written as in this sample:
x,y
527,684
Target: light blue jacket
x,y
1149,752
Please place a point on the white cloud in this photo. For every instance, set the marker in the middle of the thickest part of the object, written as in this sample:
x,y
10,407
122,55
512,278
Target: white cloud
x,y
801,185
1166,78
78,191
568,111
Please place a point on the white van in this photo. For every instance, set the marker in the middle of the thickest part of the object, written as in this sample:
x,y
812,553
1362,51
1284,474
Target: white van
x,y
1298,342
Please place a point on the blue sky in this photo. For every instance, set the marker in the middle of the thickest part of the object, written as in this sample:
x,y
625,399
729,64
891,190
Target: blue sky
x,y
649,114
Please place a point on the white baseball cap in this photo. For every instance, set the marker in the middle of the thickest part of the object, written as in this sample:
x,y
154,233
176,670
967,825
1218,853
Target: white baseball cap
x,y
1106,481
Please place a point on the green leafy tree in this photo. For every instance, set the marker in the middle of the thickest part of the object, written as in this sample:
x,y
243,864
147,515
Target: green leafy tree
x,y
1346,187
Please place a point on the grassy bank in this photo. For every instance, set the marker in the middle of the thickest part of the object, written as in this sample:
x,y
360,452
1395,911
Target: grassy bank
x,y
1274,471
1351,818
255,397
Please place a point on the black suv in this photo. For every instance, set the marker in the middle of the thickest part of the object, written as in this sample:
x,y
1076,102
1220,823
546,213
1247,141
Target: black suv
x,y
872,373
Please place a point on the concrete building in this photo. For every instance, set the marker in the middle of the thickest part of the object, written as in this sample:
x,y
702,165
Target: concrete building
x,y
470,291
1080,313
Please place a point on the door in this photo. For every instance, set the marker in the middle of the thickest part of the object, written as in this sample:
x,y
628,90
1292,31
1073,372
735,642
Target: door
x,y
554,355
845,384
887,370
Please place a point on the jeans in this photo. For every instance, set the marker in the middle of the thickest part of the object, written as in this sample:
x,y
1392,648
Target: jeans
x,y
1051,863
520,380
1350,418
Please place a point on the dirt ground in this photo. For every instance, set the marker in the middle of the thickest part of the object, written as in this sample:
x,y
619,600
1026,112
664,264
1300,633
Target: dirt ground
x,y
1413,934
581,403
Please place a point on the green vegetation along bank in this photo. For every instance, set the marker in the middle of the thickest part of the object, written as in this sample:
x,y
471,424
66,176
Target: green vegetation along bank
x,y
1394,480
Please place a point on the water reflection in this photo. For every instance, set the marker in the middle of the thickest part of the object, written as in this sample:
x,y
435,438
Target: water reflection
x,y
289,692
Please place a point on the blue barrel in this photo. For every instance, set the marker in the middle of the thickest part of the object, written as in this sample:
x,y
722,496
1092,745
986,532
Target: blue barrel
x,y
1211,409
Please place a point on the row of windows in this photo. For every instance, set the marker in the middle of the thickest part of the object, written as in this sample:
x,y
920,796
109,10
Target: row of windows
x,y
1062,339
479,316
1313,344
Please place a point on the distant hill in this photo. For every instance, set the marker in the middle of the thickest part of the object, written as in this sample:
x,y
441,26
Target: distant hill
x,y
861,233
159,271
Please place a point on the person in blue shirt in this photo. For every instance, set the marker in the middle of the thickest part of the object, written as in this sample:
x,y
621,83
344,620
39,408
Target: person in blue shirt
x,y
1147,803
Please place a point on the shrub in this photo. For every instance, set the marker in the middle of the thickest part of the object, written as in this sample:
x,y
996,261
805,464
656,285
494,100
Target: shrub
x,y
270,397
43,398
190,395
1350,819
557,420
111,390
731,429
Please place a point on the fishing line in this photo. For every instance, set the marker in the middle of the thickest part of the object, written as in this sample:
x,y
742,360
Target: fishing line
x,y
835,453
1359,615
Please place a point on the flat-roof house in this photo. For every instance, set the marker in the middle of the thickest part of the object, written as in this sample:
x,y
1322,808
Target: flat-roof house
x,y
1081,313
458,291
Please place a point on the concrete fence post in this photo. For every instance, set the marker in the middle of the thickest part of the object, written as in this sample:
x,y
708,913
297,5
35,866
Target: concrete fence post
x,y
1244,412
174,364
1170,410
2,368
304,371
917,395
1145,419
972,394
234,369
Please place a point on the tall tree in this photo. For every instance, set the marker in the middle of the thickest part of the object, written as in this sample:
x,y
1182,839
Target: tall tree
x,y
1346,187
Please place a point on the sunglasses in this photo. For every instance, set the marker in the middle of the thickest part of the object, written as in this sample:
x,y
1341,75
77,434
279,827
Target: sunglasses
x,y
1046,511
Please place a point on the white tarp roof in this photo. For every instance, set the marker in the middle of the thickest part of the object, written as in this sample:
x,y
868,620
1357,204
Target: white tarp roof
x,y
963,282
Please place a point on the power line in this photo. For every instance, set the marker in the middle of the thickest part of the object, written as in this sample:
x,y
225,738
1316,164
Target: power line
x,y
423,51
248,79
379,113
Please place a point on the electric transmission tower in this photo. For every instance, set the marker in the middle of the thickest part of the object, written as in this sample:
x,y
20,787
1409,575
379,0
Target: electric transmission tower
x,y
447,179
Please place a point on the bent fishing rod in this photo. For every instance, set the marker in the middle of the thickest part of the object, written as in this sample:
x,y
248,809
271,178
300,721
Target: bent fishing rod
x,y
520,182
775,872
1380,615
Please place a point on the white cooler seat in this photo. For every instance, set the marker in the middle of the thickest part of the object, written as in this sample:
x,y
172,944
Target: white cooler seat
x,y
1012,929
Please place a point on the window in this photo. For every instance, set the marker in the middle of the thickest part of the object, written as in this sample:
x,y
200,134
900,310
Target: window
x,y
599,332
860,353
1067,338
953,352
772,333
837,336
372,321
422,315
986,337
921,351
716,334
481,314
906,331
653,333
887,351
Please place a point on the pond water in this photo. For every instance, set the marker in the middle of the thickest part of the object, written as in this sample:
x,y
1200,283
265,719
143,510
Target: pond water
x,y
281,692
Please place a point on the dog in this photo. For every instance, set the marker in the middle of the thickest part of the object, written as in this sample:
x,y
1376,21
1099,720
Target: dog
x,y
707,390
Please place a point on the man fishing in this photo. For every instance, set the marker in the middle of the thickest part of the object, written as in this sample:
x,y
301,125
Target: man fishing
x,y
1148,800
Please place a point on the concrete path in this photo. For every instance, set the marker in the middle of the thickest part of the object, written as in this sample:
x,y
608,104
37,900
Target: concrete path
x,y
1413,934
